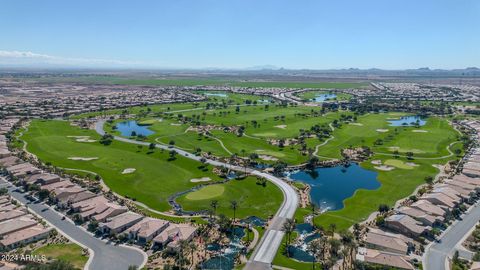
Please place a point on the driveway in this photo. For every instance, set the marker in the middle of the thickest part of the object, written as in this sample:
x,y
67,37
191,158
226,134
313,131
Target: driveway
x,y
103,255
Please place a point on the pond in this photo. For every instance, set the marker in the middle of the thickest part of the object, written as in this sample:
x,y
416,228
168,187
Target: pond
x,y
331,186
408,121
226,259
223,95
324,97
128,127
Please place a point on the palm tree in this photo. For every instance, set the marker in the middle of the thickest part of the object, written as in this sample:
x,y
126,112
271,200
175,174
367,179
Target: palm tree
x,y
183,244
234,206
288,227
314,247
214,205
192,247
332,228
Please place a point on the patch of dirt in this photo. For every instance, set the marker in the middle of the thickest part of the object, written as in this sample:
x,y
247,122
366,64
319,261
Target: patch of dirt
x,y
83,158
384,168
128,170
267,158
203,179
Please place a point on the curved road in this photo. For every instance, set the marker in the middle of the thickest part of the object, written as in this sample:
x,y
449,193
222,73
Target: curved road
x,y
264,253
102,255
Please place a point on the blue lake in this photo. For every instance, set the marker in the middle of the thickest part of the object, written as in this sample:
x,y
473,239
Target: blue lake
x,y
331,186
126,128
216,94
407,121
324,97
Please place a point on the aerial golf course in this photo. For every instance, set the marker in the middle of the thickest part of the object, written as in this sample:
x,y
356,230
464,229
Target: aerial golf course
x,y
247,127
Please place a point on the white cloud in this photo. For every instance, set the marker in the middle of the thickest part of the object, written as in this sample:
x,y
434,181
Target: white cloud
x,y
27,58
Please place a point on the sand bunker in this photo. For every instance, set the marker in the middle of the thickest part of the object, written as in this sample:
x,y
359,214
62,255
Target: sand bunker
x,y
376,162
267,158
203,179
382,130
281,126
175,124
356,124
412,164
384,168
128,170
83,158
82,139
419,131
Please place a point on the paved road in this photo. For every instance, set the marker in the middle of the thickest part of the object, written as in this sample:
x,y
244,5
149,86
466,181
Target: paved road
x,y
264,253
436,254
104,256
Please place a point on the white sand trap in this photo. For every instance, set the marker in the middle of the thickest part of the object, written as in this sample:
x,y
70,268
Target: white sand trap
x,y
356,124
281,126
384,168
83,158
203,179
419,131
85,140
412,164
393,118
129,170
382,130
175,124
376,162
267,158
82,139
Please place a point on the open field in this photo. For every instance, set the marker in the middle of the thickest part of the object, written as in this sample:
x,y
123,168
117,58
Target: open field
x,y
172,81
147,184
66,252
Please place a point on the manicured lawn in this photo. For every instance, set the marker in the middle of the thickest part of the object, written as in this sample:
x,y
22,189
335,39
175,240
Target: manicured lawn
x,y
205,193
66,252
155,177
253,199
398,164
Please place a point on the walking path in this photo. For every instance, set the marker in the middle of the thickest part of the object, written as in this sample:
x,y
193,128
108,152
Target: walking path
x,y
264,253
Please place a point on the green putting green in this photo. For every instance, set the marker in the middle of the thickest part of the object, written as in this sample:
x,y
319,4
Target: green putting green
x,y
205,193
398,163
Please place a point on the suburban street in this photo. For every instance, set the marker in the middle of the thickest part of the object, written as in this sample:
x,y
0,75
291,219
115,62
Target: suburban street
x,y
435,255
102,255
265,251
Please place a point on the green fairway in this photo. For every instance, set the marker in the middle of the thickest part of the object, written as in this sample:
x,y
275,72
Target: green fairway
x,y
252,199
66,252
207,192
155,177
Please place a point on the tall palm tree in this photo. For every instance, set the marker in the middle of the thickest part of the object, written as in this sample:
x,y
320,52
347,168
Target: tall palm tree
x,y
183,244
288,227
192,247
332,228
234,206
314,247
214,205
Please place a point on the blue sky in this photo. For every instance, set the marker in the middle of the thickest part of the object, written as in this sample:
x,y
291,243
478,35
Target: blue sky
x,y
242,33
